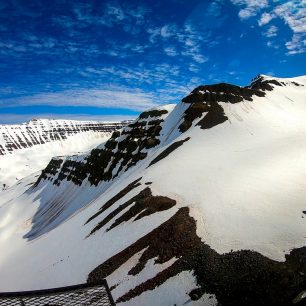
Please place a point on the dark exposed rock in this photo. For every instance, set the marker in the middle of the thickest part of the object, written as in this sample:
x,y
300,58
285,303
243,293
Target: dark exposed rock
x,y
194,111
297,84
152,113
222,92
51,169
206,98
168,151
214,117
261,84
145,204
196,294
151,142
116,198
236,278
122,151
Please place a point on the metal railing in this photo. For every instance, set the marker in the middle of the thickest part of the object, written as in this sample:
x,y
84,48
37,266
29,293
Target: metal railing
x,y
79,295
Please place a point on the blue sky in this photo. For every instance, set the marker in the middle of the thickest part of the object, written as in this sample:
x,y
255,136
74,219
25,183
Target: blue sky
x,y
110,60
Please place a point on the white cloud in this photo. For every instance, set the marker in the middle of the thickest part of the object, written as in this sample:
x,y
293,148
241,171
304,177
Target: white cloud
x,y
271,32
168,30
214,9
170,51
103,98
193,68
265,18
250,7
199,58
187,39
296,45
130,17
294,14
272,44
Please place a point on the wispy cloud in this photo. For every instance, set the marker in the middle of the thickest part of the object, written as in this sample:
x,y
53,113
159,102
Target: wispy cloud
x,y
113,13
110,98
271,31
292,12
250,7
297,44
265,18
171,51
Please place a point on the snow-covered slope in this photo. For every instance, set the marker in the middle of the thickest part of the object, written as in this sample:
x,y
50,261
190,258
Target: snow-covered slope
x,y
197,203
28,147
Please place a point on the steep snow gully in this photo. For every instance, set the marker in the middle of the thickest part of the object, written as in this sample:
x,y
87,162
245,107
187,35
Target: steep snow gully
x,y
198,203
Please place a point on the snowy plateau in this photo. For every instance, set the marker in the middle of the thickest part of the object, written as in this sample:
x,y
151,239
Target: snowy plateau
x,y
198,203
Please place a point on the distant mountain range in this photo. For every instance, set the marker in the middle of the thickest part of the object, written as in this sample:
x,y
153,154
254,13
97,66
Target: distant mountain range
x,y
28,147
198,203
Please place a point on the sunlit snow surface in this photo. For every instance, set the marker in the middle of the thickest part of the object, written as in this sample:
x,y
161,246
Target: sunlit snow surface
x,y
244,181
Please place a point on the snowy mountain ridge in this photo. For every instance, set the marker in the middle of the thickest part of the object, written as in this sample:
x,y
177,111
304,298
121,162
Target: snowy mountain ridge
x,y
41,131
198,203
28,147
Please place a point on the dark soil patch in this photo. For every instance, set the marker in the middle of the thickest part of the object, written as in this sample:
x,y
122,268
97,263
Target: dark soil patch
x,y
237,278
168,151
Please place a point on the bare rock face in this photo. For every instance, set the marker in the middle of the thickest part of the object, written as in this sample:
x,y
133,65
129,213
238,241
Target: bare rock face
x,y
123,150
